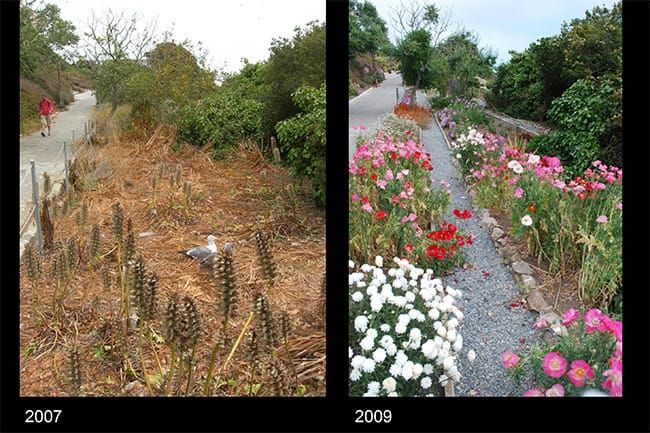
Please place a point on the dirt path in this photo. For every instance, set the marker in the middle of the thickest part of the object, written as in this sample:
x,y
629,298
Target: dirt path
x,y
47,152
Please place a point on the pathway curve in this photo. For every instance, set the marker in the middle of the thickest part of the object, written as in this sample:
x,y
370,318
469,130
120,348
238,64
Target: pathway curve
x,y
46,152
490,327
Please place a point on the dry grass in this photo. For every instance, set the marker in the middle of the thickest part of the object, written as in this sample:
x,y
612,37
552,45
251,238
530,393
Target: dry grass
x,y
229,199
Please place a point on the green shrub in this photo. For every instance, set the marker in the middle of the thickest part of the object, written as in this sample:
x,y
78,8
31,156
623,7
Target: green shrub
x,y
223,119
303,137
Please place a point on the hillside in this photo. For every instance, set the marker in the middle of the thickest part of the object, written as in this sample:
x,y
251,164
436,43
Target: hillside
x,y
362,74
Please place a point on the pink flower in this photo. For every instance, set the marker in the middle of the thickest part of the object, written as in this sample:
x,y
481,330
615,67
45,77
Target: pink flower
x,y
596,163
363,127
541,323
355,197
534,392
613,326
580,372
509,360
619,349
382,184
570,316
602,219
389,175
366,207
519,192
554,364
619,206
614,381
556,390
594,321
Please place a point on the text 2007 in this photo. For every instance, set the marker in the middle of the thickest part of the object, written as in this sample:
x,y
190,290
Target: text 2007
x,y
40,416
369,416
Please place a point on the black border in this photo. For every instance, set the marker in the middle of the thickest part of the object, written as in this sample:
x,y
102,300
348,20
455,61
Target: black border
x,y
336,411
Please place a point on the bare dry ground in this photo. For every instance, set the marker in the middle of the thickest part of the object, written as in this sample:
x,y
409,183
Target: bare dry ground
x,y
230,199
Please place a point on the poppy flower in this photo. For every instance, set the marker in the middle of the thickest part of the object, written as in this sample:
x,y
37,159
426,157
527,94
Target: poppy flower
x,y
373,176
381,214
408,247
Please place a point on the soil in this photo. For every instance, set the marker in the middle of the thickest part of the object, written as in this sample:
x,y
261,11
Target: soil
x,y
230,199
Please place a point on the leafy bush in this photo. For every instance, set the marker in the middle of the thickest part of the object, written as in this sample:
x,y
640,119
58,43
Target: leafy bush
x,y
586,354
223,119
396,350
439,101
588,114
303,138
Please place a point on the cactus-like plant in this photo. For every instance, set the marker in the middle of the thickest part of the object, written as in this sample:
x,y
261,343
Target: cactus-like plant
x,y
265,321
266,259
74,370
129,243
118,222
224,275
94,242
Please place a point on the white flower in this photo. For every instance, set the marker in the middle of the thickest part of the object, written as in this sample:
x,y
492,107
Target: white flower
x,y
429,349
379,355
391,349
350,264
366,268
417,370
434,313
400,328
398,283
355,375
428,369
357,361
512,164
376,303
452,323
389,384
372,290
458,343
448,362
361,323
393,394
415,334
425,383
427,294
368,365
373,387
407,370
399,301
518,169
379,261
410,296
451,335
442,331
385,341
458,156
533,159
526,220
471,355
357,296
385,327
367,343
446,346
395,369
371,333
361,284
401,358
350,352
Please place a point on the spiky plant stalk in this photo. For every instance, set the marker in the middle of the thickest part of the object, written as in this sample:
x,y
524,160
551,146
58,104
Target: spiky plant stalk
x,y
84,213
266,259
94,245
129,243
192,332
74,370
118,223
106,279
32,263
285,329
171,316
265,321
118,226
253,357
47,184
224,276
177,178
71,253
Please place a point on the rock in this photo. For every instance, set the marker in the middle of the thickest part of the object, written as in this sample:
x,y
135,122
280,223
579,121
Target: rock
x,y
503,241
536,301
484,213
489,222
528,281
549,338
497,233
552,317
522,268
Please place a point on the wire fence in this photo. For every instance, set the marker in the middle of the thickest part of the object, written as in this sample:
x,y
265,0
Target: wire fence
x,y
33,216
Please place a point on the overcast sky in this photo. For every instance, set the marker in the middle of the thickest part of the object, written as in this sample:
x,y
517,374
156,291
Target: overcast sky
x,y
506,24
229,30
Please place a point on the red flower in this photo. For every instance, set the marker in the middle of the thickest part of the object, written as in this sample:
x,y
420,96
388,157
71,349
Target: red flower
x,y
373,176
417,154
362,171
460,242
452,228
425,164
395,199
409,132
466,214
365,200
582,196
436,252
393,156
381,214
408,247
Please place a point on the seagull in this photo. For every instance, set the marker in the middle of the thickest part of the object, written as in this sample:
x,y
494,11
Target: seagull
x,y
202,252
208,261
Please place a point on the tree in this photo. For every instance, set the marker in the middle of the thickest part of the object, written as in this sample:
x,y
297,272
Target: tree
x,y
293,63
116,47
414,54
368,31
416,15
44,36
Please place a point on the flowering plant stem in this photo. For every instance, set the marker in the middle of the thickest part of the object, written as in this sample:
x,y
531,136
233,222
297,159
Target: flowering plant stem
x,y
170,377
189,373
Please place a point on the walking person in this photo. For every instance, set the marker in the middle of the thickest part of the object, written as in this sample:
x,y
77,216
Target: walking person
x,y
47,108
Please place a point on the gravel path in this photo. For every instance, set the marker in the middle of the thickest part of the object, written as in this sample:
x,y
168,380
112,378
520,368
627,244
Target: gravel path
x,y
490,327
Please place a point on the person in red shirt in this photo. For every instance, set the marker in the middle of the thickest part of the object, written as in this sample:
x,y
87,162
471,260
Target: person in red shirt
x,y
47,108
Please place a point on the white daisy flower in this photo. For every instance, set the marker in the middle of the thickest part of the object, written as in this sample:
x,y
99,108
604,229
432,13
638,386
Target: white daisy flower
x,y
367,343
391,349
407,370
527,220
355,375
417,370
361,323
357,296
451,335
384,327
428,369
373,387
395,370
401,358
448,363
458,343
350,264
376,303
400,328
368,365
389,384
379,355
425,383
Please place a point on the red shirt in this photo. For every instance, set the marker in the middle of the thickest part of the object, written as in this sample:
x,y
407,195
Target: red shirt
x,y
46,106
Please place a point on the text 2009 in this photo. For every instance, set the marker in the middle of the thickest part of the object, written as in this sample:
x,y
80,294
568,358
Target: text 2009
x,y
369,416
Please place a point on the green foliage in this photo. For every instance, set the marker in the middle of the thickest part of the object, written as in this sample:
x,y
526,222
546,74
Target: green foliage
x,y
414,54
303,138
224,118
588,47
589,121
368,31
293,63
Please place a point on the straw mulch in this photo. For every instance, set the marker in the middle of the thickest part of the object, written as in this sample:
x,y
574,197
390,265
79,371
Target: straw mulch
x,y
229,199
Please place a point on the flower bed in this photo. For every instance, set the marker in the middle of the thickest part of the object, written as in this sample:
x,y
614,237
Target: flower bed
x,y
586,358
575,225
403,330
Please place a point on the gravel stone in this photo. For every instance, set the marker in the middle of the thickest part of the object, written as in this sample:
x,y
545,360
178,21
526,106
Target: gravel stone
x,y
536,301
489,222
488,336
497,233
528,281
522,268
